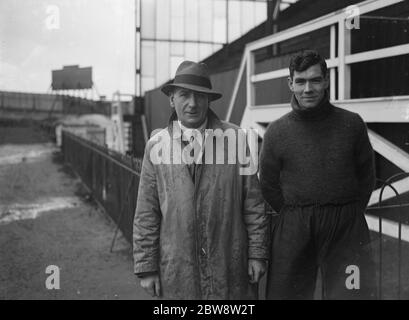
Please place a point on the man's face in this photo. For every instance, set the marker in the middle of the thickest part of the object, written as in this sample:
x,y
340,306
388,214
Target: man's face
x,y
191,106
309,86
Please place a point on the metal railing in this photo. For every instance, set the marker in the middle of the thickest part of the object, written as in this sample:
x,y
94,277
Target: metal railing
x,y
50,103
399,208
112,178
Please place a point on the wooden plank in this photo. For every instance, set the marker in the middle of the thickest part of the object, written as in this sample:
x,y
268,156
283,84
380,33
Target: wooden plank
x,y
389,151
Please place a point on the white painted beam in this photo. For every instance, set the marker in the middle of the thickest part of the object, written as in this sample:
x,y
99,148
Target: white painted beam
x,y
260,129
275,74
250,65
389,151
245,120
296,31
236,85
381,110
389,227
281,73
372,5
249,121
267,114
377,54
321,22
344,48
332,73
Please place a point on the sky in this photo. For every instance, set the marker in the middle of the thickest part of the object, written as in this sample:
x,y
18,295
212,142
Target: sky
x,y
38,36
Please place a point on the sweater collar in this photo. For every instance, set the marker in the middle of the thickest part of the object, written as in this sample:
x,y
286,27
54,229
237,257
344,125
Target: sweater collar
x,y
320,112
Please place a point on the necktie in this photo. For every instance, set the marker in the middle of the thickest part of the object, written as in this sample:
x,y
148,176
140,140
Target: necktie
x,y
195,154
192,167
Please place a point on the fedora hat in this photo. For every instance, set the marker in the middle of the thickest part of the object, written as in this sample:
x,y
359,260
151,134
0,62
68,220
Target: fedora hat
x,y
193,76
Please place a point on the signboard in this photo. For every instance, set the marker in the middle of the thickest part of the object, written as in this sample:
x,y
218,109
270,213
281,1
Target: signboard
x,y
72,78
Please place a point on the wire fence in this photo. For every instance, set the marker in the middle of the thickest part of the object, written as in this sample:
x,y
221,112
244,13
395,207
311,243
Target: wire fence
x,y
112,178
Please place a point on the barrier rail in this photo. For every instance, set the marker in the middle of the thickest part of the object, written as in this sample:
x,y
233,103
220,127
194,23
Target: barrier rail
x,y
112,178
388,183
51,104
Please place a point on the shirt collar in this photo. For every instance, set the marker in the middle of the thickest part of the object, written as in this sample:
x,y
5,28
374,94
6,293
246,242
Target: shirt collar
x,y
211,122
201,128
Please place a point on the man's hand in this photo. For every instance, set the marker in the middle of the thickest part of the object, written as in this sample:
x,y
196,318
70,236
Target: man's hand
x,y
151,284
256,269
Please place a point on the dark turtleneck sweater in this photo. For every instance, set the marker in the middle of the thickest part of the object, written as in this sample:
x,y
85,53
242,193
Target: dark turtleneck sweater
x,y
317,156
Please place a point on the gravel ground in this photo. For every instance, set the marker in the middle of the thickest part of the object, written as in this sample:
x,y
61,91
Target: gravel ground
x,y
45,220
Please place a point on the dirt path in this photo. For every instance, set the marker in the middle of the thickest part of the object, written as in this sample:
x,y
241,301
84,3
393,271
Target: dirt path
x,y
45,220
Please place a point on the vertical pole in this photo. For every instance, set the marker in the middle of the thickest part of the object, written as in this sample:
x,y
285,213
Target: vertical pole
x,y
276,13
332,56
249,84
400,253
227,21
380,257
138,60
344,72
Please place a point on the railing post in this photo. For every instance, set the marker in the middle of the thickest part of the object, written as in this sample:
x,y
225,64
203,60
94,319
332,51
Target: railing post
x,y
344,70
332,82
236,86
249,85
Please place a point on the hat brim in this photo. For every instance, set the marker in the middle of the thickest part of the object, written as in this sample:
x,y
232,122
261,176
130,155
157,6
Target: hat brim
x,y
213,95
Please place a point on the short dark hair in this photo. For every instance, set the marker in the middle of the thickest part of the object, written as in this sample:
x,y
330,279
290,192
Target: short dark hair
x,y
305,59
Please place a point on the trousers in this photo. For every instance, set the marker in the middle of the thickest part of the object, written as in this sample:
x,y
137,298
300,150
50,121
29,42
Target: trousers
x,y
332,238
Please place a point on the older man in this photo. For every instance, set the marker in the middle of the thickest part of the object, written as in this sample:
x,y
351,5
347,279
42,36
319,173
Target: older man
x,y
200,231
317,172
